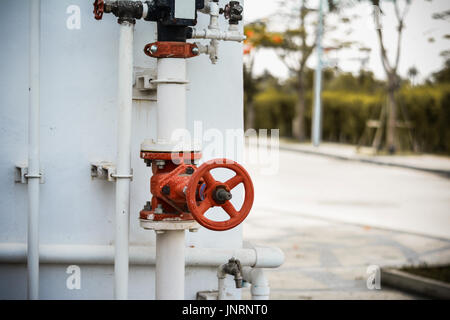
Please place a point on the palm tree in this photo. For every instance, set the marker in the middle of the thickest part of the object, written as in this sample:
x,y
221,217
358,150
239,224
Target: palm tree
x,y
412,74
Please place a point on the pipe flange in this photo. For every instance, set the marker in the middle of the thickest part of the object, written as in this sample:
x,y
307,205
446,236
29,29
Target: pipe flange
x,y
169,225
174,146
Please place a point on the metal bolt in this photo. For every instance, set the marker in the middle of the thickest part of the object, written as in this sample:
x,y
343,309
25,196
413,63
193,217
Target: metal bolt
x,y
160,164
159,231
148,206
223,195
189,170
159,210
154,48
193,230
166,190
195,51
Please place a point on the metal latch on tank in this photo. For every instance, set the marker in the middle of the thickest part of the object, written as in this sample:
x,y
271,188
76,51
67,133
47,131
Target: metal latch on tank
x,y
21,174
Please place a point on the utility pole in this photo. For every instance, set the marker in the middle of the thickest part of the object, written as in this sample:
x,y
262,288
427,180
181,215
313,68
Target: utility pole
x,y
317,114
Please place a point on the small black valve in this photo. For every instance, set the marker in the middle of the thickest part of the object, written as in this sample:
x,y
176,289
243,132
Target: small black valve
x,y
233,12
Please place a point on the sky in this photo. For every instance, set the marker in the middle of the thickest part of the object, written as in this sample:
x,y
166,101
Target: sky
x,y
416,49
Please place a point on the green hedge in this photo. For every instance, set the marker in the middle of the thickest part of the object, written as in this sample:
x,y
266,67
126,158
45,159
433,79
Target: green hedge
x,y
428,107
275,110
345,114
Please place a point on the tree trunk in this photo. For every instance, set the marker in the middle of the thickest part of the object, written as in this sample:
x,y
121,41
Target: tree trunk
x,y
298,123
250,118
392,115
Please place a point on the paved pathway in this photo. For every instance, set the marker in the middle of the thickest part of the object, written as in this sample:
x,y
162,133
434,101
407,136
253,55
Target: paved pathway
x,y
334,218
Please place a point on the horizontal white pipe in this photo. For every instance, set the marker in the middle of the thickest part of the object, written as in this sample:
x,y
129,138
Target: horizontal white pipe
x,y
262,257
217,35
260,289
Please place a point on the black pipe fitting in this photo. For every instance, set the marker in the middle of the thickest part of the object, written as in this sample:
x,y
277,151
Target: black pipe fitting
x,y
171,27
234,268
125,10
233,12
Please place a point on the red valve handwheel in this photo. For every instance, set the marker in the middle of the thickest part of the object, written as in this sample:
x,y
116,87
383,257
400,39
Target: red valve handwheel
x,y
199,208
99,8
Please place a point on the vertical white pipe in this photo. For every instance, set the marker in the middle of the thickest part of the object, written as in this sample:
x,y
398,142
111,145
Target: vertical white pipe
x,y
170,245
222,289
33,153
170,259
125,95
260,285
171,97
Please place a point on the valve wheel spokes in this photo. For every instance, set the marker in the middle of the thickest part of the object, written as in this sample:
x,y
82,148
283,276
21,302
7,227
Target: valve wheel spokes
x,y
233,182
99,8
214,188
230,209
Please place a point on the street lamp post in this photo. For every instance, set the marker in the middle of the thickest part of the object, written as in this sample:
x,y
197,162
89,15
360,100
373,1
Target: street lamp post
x,y
317,114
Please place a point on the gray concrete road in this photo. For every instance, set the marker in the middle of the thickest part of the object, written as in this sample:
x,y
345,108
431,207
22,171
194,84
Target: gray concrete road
x,y
359,193
335,218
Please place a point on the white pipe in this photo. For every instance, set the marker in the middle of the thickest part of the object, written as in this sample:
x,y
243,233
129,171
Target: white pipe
x,y
171,96
123,172
33,153
260,289
217,35
222,288
260,285
261,257
222,295
170,244
170,262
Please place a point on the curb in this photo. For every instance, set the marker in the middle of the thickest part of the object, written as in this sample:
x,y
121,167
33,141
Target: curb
x,y
415,284
442,172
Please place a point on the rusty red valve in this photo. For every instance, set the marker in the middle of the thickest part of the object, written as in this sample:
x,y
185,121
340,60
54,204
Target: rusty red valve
x,y
218,194
99,8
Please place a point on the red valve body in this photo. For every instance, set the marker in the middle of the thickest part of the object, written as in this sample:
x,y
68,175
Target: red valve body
x,y
181,191
167,185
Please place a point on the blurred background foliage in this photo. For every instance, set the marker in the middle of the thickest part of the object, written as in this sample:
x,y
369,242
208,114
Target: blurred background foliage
x,y
349,101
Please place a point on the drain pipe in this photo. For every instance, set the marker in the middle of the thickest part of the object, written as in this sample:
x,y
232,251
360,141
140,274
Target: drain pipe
x,y
260,289
33,174
123,174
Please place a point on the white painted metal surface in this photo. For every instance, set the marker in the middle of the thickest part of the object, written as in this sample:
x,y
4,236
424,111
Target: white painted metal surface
x,y
78,126
123,174
33,174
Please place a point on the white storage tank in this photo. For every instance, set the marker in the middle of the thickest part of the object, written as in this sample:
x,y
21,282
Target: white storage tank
x,y
78,123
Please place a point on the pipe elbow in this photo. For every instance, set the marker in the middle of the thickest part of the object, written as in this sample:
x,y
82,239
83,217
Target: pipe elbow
x,y
268,257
